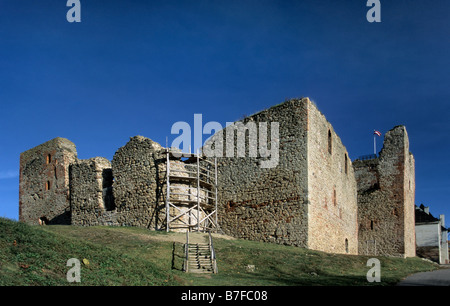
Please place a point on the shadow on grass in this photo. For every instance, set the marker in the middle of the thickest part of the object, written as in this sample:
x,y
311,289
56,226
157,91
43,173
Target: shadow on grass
x,y
177,256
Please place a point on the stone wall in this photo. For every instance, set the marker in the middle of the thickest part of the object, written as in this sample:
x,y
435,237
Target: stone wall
x,y
140,187
269,204
409,193
386,187
332,214
308,199
44,182
138,192
313,196
57,188
92,202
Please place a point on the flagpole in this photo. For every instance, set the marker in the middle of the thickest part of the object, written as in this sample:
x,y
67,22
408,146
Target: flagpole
x,y
374,144
375,134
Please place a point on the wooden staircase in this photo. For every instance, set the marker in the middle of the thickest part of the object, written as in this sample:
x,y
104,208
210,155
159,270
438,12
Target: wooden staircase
x,y
200,257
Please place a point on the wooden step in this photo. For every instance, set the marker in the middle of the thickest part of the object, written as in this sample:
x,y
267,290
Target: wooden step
x,y
200,265
199,258
199,272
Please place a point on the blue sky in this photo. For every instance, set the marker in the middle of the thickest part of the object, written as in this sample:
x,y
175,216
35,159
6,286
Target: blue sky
x,y
137,67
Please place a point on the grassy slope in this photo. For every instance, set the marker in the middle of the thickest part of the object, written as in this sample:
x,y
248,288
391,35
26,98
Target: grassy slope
x,y
131,256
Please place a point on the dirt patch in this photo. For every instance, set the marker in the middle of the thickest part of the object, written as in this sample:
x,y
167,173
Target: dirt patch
x,y
194,237
223,236
181,237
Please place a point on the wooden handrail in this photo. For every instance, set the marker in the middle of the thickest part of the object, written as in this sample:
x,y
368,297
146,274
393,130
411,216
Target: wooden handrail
x,y
186,250
213,254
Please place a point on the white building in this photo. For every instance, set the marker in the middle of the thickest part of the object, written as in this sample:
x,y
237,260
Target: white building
x,y
431,236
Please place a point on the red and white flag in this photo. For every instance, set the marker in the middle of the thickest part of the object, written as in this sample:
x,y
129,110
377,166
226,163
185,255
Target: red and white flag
x,y
376,133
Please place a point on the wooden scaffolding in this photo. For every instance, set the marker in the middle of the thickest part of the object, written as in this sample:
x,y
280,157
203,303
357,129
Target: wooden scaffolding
x,y
191,194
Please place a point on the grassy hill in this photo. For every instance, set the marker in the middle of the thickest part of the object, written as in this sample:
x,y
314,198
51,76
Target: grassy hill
x,y
37,255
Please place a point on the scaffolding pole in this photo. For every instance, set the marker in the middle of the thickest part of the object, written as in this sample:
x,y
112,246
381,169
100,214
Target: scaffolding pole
x,y
181,182
198,193
215,186
168,192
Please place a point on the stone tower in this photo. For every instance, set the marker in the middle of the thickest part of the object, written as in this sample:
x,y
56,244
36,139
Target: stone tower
x,y
307,200
386,192
44,191
311,195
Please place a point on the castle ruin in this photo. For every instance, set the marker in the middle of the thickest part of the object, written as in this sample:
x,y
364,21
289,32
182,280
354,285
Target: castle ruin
x,y
314,198
386,188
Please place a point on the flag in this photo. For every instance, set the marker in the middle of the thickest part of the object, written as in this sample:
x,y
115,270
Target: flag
x,y
376,133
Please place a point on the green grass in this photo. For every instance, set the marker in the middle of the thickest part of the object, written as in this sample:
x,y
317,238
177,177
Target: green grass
x,y
40,255
139,257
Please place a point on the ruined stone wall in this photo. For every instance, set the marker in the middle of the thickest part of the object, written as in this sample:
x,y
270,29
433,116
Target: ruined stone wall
x,y
313,197
92,202
386,188
409,194
269,204
140,187
130,191
332,214
137,190
308,200
44,182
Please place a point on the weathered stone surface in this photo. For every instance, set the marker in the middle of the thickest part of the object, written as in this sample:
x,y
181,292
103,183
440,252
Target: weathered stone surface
x,y
91,192
386,187
307,200
138,192
268,204
44,195
313,197
332,190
